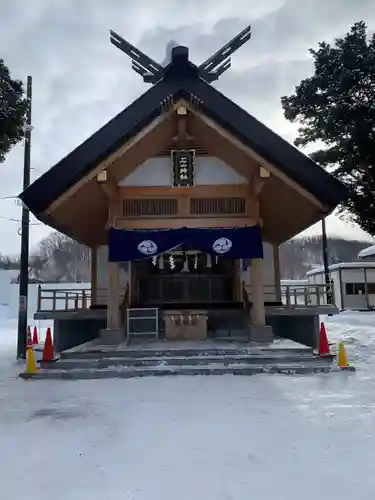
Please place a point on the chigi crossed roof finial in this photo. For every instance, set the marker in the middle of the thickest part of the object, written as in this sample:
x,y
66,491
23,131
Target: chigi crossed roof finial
x,y
152,72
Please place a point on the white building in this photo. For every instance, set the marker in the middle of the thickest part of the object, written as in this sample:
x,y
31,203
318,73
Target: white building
x,y
353,284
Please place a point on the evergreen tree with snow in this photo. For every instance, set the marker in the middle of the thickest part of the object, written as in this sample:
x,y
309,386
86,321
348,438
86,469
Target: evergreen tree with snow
x,y
13,107
336,107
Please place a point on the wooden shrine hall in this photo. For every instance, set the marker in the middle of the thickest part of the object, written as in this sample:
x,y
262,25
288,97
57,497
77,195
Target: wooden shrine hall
x,y
184,199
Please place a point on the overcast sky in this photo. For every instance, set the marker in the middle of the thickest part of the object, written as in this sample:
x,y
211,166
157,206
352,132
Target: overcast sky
x,y
80,80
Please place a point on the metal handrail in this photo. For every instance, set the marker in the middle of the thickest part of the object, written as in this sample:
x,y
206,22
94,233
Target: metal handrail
x,y
153,315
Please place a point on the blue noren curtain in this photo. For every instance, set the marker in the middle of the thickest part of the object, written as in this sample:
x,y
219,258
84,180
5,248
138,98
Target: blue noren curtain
x,y
234,243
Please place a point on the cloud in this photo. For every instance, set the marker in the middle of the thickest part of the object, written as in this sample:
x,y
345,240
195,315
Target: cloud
x,y
80,80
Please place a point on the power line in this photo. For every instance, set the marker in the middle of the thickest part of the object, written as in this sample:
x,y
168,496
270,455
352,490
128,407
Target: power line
x,y
10,219
20,222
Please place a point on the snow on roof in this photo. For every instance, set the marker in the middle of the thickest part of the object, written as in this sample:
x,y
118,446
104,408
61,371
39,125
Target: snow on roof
x,y
367,252
294,282
7,275
341,265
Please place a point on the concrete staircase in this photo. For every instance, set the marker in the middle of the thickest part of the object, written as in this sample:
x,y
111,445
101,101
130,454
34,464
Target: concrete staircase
x,y
163,358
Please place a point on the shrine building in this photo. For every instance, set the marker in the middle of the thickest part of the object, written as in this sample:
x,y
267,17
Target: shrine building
x,y
184,199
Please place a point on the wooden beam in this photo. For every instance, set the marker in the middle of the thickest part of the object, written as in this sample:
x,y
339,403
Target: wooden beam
x,y
110,188
149,147
258,185
276,267
113,305
114,207
224,135
183,197
221,148
259,179
202,191
94,275
132,281
258,314
84,216
110,160
172,223
237,280
182,135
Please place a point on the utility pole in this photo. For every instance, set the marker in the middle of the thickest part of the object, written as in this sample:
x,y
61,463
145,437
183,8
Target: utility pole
x,y
325,261
25,230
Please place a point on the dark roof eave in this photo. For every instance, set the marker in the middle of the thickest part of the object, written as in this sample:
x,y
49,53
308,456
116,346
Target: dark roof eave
x,y
82,160
50,186
50,222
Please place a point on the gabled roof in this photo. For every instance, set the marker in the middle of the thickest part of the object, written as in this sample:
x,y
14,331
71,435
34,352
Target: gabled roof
x,y
181,81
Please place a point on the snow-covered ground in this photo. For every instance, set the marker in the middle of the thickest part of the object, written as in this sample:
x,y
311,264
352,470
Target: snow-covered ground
x,y
209,438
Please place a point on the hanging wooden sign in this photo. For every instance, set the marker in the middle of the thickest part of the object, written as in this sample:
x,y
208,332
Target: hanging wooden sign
x,y
183,167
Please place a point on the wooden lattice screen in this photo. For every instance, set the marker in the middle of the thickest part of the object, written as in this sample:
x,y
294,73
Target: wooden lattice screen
x,y
141,207
217,206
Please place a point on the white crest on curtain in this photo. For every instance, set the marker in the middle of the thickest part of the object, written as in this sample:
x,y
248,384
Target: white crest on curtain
x,y
222,245
148,247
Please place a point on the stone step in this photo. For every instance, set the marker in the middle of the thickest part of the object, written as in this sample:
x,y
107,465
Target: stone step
x,y
157,371
145,352
232,337
172,360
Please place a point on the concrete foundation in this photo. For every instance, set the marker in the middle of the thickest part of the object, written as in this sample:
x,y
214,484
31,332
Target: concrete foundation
x,y
301,328
261,334
71,332
112,337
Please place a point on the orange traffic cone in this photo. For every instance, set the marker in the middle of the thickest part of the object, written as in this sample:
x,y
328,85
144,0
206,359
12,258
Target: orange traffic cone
x,y
324,349
35,336
29,342
48,347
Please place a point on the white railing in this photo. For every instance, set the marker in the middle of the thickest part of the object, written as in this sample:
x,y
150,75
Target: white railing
x,y
78,299
307,295
60,299
295,296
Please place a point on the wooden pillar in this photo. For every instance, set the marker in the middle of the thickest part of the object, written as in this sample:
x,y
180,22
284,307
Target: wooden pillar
x,y
237,280
131,284
113,303
113,297
258,315
94,275
276,266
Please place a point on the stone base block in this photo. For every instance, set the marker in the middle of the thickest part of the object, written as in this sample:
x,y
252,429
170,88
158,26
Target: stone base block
x,y
112,337
261,334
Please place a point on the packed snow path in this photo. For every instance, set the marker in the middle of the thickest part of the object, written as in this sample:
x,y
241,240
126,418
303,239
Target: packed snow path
x,y
210,438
